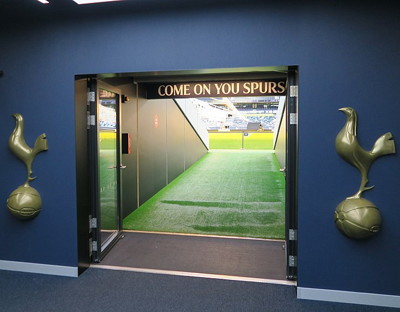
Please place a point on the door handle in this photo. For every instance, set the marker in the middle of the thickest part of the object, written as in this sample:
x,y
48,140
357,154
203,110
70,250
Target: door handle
x,y
115,167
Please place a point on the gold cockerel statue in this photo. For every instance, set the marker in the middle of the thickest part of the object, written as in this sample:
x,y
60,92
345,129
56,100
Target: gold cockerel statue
x,y
25,202
18,146
349,149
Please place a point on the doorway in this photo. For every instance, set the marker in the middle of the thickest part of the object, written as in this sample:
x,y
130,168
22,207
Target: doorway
x,y
289,122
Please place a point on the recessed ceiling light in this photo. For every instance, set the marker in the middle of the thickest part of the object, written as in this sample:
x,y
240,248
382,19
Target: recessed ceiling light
x,y
44,1
92,1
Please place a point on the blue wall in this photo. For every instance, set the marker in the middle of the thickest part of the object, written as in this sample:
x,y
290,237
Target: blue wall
x,y
347,56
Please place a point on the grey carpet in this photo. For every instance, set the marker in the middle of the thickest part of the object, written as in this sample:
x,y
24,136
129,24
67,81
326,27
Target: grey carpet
x,y
213,255
107,290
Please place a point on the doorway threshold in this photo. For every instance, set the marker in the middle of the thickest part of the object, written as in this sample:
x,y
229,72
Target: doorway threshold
x,y
241,259
207,235
198,275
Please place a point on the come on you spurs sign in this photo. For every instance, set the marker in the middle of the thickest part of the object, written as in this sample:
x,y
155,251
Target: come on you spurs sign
x,y
270,87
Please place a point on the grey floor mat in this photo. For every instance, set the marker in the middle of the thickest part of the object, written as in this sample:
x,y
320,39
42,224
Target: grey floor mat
x,y
208,255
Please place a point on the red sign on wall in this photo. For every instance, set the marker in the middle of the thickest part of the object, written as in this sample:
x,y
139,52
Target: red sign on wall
x,y
155,121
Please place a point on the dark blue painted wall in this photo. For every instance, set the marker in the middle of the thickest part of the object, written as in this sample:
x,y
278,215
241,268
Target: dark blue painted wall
x,y
347,56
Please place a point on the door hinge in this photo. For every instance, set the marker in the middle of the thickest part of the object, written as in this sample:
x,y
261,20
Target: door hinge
x,y
293,119
91,246
92,223
94,246
91,120
91,96
292,235
294,91
292,261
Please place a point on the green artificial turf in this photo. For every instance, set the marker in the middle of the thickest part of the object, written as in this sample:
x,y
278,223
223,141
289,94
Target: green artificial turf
x,y
258,140
241,140
108,181
225,140
236,193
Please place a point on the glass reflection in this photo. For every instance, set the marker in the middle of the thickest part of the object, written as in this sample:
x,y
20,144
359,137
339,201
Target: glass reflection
x,y
108,165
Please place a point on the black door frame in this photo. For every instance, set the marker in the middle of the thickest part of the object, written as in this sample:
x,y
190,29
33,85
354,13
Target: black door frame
x,y
291,172
290,72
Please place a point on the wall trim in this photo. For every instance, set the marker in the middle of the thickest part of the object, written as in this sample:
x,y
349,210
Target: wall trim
x,y
39,268
348,297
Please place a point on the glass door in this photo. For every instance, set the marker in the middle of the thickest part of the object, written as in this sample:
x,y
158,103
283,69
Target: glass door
x,y
105,161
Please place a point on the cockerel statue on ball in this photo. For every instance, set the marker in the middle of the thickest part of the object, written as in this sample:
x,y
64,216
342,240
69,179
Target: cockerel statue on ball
x,y
355,216
25,202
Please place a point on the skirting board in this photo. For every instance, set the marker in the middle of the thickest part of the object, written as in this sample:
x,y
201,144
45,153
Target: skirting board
x,y
348,297
39,268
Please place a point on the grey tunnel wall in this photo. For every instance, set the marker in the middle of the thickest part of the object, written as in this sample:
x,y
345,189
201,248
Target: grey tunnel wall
x,y
129,123
166,146
163,144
